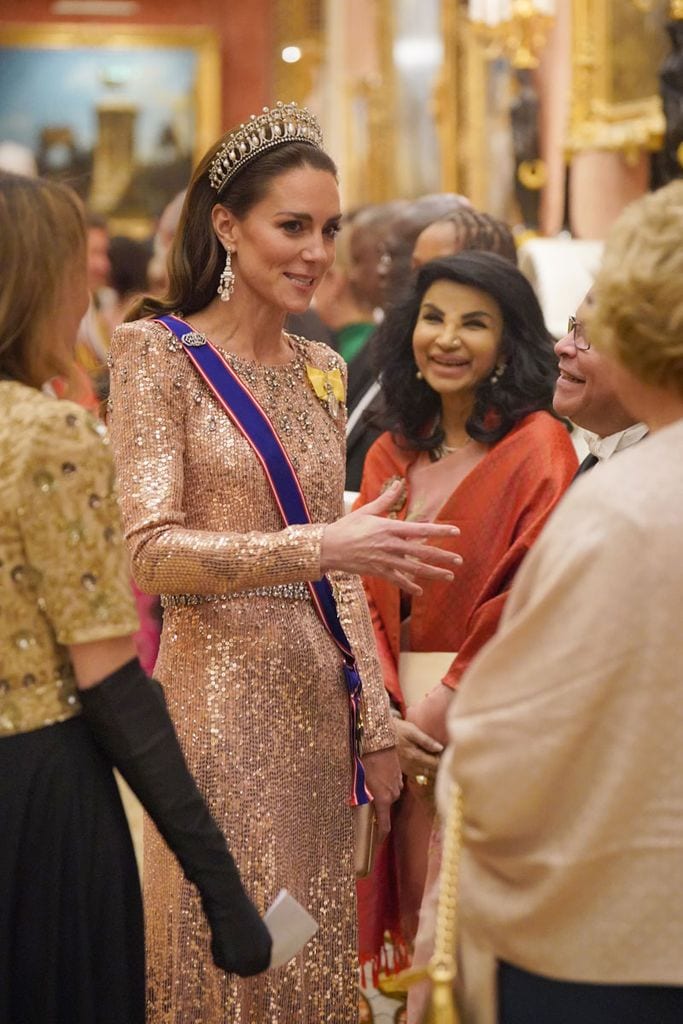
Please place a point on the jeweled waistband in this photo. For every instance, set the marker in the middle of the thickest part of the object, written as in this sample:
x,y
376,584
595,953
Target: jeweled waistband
x,y
286,591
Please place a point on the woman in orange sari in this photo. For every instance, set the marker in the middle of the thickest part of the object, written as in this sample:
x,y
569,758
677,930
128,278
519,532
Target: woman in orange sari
x,y
467,375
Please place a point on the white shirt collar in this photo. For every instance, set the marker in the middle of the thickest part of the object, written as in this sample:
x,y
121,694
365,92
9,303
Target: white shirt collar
x,y
605,447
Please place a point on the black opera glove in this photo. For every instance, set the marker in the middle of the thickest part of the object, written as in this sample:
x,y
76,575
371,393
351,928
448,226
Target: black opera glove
x,y
128,716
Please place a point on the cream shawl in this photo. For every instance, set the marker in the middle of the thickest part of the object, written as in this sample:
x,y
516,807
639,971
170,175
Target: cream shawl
x,y
567,739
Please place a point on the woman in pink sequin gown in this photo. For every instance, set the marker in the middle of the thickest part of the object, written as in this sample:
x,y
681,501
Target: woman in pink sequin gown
x,y
252,679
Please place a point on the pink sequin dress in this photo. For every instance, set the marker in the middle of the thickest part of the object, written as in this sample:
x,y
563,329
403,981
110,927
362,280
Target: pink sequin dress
x,y
253,681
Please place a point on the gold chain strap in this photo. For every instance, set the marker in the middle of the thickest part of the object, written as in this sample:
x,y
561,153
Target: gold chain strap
x,y
442,967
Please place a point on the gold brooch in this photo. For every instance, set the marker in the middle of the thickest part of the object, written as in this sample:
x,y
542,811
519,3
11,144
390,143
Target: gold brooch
x,y
401,497
328,386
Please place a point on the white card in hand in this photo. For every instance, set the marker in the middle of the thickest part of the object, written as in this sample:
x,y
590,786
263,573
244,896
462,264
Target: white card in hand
x,y
290,925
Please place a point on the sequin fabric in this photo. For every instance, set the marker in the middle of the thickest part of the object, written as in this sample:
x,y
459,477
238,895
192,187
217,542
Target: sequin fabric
x,y
252,679
63,568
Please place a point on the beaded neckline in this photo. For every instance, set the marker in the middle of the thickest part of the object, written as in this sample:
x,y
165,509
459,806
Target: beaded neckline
x,y
297,362
298,359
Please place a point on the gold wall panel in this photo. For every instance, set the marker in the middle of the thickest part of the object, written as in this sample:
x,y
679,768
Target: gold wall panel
x,y
617,48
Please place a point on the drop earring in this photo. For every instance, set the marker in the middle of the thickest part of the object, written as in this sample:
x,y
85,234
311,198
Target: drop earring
x,y
498,373
226,283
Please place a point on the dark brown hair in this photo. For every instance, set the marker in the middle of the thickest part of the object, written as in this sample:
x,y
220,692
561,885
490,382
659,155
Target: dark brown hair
x,y
197,257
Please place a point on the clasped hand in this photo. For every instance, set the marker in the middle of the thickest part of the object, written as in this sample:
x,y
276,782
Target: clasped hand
x,y
418,753
367,543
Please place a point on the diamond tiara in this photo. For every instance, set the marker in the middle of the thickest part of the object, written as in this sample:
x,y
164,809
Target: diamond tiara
x,y
286,122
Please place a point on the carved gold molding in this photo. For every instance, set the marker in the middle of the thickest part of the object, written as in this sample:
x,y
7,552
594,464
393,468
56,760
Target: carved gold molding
x,y
521,37
598,119
476,165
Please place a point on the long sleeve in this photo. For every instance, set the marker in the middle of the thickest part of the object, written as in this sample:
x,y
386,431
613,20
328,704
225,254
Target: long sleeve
x,y
152,385
355,618
373,476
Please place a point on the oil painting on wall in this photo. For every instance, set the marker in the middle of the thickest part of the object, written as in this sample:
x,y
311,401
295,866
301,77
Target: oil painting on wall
x,y
120,120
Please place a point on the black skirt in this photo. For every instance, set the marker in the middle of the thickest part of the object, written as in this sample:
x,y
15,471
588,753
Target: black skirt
x,y
71,925
525,998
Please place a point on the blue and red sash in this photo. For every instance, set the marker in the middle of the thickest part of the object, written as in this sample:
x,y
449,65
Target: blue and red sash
x,y
253,422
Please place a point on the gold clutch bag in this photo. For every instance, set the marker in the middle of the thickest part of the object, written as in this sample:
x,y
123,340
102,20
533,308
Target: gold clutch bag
x,y
365,838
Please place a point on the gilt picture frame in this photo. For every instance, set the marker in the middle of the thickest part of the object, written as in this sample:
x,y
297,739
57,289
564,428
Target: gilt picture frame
x,y
617,48
121,113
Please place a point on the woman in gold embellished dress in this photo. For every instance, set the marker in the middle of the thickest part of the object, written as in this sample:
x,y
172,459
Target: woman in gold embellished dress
x,y
253,680
73,698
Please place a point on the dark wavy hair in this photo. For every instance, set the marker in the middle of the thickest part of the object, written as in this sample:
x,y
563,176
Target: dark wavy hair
x,y
197,257
411,408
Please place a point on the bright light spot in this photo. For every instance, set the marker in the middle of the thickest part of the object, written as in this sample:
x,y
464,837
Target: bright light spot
x,y
418,53
291,54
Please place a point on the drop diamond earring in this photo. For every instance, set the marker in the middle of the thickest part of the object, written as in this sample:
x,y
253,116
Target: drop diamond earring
x,y
227,279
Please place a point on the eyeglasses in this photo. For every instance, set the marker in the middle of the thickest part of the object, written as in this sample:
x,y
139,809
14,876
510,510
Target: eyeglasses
x,y
576,329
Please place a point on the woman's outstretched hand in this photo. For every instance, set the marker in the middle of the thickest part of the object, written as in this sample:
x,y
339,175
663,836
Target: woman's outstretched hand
x,y
367,543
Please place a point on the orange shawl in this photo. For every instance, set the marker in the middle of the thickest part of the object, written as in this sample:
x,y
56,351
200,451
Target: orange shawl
x,y
500,508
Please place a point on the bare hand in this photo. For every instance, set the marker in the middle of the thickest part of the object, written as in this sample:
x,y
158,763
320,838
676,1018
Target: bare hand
x,y
383,778
431,712
366,543
418,753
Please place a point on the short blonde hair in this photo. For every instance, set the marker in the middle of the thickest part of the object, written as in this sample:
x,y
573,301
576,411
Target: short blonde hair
x,y
637,317
42,236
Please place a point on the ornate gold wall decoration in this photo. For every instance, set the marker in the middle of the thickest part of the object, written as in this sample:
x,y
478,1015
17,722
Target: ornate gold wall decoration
x,y
616,51
532,174
520,35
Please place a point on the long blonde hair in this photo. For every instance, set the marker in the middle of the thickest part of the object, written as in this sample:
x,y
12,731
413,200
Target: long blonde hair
x,y
42,236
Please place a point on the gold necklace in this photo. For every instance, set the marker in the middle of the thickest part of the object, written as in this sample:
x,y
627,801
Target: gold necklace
x,y
442,450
